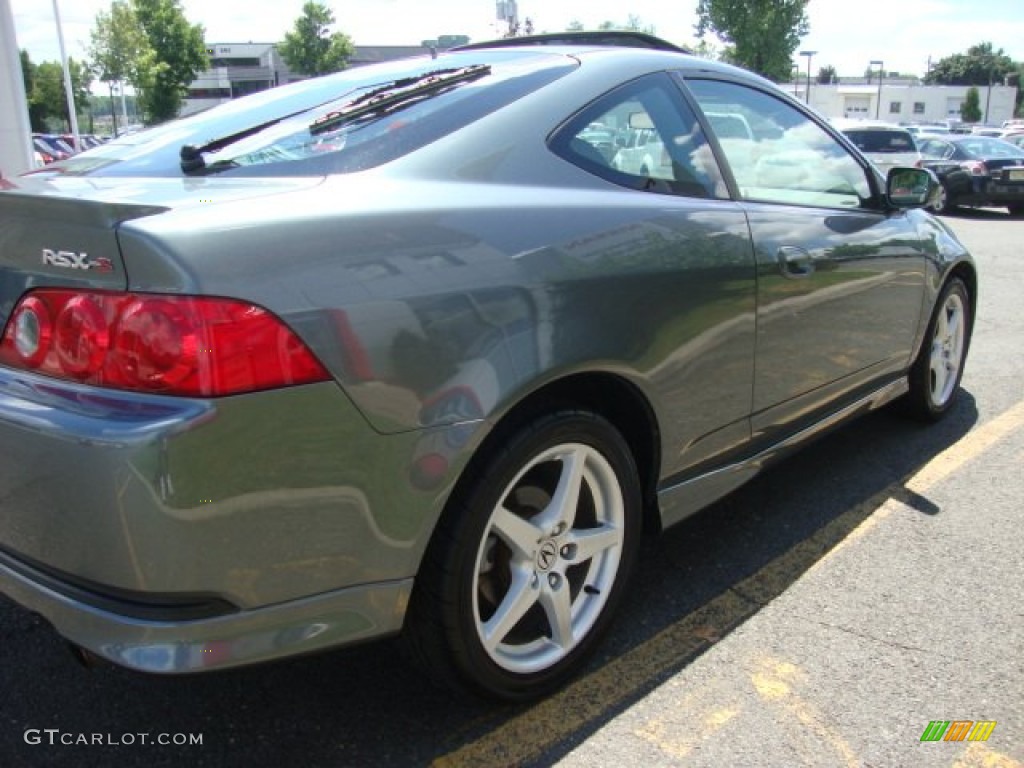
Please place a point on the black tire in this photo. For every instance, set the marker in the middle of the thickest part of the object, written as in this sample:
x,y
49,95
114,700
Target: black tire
x,y
1016,209
500,550
936,373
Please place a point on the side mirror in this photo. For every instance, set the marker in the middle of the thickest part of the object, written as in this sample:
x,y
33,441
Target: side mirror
x,y
911,187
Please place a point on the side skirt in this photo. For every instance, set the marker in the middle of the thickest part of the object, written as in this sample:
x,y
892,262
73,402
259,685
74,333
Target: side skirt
x,y
679,501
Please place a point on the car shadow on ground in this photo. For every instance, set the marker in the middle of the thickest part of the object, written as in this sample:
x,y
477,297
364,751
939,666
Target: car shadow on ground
x,y
364,706
982,214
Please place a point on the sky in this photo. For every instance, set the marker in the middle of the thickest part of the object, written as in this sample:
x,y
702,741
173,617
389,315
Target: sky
x,y
846,34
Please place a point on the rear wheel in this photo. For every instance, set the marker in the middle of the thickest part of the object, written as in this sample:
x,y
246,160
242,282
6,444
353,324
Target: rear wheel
x,y
529,562
935,375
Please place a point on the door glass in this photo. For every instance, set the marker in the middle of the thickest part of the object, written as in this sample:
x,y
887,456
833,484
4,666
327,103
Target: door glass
x,y
776,153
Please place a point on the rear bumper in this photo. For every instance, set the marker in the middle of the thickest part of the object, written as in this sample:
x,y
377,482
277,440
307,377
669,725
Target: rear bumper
x,y
988,192
172,535
301,626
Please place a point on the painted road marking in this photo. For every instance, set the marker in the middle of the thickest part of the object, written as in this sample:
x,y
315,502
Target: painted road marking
x,y
527,736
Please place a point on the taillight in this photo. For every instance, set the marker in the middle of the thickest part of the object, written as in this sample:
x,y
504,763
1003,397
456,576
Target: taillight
x,y
976,167
176,345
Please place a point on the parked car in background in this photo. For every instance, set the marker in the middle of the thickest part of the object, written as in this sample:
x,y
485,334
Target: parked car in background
x,y
43,150
885,144
1016,138
56,147
926,128
642,151
399,350
954,183
996,170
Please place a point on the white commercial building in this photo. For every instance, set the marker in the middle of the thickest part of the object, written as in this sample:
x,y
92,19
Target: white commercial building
x,y
906,102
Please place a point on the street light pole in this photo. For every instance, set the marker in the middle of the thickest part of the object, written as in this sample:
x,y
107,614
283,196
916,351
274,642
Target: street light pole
x,y
881,76
809,55
68,88
988,97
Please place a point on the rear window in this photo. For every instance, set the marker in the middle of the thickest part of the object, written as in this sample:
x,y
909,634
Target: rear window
x,y
881,140
980,146
295,130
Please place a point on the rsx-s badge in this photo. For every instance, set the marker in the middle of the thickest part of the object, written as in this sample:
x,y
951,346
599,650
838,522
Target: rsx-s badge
x,y
74,260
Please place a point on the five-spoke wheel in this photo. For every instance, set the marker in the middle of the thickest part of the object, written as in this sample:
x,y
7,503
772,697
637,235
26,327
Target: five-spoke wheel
x,y
530,559
935,375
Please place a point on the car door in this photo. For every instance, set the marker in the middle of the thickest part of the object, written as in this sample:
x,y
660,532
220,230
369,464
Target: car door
x,y
688,276
840,279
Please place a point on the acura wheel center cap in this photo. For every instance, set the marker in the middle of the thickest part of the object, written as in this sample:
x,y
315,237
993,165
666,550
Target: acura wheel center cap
x,y
547,555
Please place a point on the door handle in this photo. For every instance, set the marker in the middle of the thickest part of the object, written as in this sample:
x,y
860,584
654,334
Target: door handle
x,y
794,263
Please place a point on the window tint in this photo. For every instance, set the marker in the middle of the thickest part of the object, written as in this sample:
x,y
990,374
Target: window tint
x,y
643,136
784,157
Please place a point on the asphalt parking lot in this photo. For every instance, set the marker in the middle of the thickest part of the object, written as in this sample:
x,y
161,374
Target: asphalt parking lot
x,y
824,615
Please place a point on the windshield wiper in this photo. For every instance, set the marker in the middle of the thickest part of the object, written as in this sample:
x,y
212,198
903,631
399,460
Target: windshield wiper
x,y
192,155
398,93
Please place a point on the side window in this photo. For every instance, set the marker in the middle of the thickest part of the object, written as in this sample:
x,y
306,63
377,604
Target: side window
x,y
933,148
643,136
776,153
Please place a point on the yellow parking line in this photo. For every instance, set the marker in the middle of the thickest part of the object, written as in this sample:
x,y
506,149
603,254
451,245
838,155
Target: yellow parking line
x,y
527,736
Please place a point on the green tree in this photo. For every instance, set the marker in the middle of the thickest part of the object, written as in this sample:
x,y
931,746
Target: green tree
x,y
311,48
981,65
827,75
179,54
120,50
633,23
29,73
763,33
970,110
48,101
707,50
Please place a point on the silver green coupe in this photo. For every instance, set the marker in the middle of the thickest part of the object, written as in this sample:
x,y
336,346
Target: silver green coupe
x,y
407,350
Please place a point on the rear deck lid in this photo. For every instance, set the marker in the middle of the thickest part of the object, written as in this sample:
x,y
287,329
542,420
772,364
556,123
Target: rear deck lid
x,y
49,239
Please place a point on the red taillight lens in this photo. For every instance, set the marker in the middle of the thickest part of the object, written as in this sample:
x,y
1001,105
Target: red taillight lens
x,y
82,337
176,345
157,345
976,167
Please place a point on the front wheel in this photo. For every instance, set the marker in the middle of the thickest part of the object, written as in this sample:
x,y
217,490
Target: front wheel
x,y
529,561
935,375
